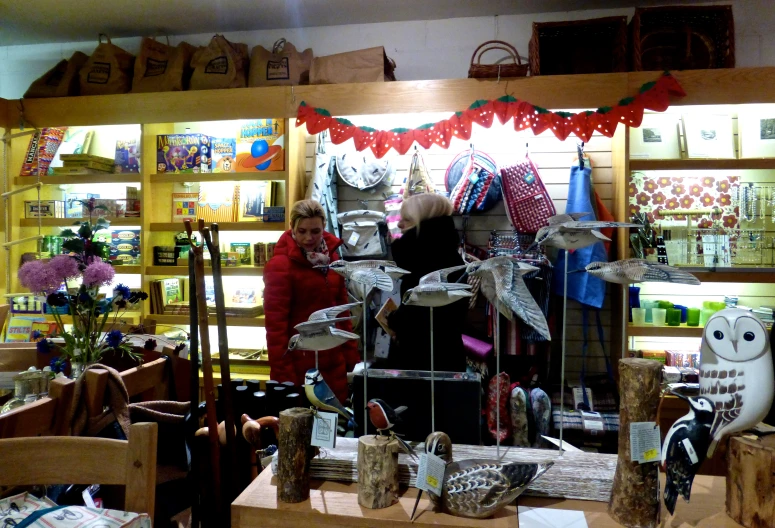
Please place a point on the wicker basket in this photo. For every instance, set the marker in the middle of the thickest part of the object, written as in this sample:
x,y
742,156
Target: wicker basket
x,y
683,38
494,71
597,45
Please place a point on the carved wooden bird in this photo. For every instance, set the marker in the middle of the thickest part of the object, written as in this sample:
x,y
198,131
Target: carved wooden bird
x,y
369,274
566,231
319,331
383,417
631,271
433,290
321,396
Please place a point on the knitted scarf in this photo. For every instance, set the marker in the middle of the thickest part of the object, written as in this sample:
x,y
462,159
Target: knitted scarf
x,y
318,257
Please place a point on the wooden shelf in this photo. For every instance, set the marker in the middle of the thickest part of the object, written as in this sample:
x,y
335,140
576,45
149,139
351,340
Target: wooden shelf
x,y
219,176
134,317
239,271
69,222
702,164
224,226
72,179
128,270
185,320
664,331
746,275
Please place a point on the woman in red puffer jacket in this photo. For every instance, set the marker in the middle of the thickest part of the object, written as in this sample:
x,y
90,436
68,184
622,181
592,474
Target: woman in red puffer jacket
x,y
293,289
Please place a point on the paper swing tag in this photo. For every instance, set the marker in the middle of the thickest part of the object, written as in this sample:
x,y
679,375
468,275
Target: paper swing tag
x,y
430,473
645,442
324,430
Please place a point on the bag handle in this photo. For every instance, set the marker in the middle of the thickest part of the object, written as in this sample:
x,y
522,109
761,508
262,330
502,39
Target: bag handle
x,y
493,45
107,37
278,46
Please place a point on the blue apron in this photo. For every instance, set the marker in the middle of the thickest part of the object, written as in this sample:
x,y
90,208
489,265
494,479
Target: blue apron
x,y
582,287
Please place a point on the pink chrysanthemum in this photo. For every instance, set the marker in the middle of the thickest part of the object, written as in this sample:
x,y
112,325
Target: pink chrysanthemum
x,y
98,274
38,277
64,267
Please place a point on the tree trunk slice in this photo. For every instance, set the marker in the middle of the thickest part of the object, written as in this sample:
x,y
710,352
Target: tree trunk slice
x,y
377,471
635,497
294,454
751,481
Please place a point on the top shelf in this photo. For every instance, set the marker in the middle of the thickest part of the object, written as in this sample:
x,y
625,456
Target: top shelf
x,y
219,177
702,164
72,179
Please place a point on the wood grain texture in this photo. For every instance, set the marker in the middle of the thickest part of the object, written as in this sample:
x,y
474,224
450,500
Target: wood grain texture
x,y
635,498
377,471
141,468
146,376
751,481
294,454
94,385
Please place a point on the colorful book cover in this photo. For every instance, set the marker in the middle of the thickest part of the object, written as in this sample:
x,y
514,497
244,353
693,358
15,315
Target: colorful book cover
x,y
171,291
182,153
261,146
224,154
253,198
41,151
243,249
184,206
216,202
244,296
19,329
127,155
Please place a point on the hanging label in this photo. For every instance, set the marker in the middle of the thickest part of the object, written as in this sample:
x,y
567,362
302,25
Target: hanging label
x,y
354,237
690,450
593,422
430,473
578,398
645,442
529,178
474,176
324,430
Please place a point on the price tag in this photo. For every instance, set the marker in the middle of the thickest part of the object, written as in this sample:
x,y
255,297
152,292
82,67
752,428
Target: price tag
x,y
430,473
354,237
578,398
87,499
645,442
593,422
324,430
690,450
474,176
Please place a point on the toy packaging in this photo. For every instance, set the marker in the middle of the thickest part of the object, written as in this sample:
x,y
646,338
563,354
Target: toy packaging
x,y
224,154
184,206
183,153
261,146
41,151
127,155
243,250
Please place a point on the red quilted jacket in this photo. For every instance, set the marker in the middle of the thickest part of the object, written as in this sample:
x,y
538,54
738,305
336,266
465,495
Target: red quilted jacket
x,y
293,289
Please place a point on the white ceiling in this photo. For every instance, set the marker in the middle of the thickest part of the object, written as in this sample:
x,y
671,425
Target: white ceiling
x,y
40,21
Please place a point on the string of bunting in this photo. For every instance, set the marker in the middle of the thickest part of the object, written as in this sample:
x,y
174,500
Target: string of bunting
x,y
654,95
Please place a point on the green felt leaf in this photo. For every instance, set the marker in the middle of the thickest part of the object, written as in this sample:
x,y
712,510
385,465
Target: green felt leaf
x,y
367,129
478,104
626,101
604,109
323,112
343,121
507,99
400,130
648,86
426,126
540,109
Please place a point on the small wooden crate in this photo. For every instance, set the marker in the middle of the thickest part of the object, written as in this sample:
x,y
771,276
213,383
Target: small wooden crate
x,y
682,38
597,45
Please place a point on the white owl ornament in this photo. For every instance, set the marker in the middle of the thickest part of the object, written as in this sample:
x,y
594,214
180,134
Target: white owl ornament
x,y
736,372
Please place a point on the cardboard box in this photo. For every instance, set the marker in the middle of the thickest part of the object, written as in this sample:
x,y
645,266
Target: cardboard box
x,y
261,146
165,255
127,155
242,249
224,154
183,153
46,209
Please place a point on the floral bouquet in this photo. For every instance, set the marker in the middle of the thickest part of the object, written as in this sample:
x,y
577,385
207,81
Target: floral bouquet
x,y
87,340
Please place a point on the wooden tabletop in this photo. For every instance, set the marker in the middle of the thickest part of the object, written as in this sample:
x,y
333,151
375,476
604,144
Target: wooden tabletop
x,y
335,504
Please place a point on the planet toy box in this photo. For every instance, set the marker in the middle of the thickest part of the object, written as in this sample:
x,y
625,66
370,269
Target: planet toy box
x,y
224,154
261,146
183,153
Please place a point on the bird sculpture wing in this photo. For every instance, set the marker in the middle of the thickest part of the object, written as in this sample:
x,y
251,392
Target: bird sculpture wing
x,y
328,401
373,278
442,286
514,296
726,413
372,263
643,271
310,327
330,313
344,333
441,275
601,224
562,218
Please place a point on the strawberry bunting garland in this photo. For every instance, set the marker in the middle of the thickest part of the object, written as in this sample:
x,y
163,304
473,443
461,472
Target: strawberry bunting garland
x,y
653,96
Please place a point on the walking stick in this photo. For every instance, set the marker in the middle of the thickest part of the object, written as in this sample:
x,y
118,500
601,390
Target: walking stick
x,y
207,367
212,240
193,417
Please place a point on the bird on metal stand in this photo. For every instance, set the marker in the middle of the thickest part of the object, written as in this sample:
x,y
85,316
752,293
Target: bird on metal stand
x,y
320,333
631,271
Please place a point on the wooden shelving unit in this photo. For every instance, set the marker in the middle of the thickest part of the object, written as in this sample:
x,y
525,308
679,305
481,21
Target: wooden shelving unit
x,y
257,322
128,270
69,222
74,179
132,317
759,275
702,164
219,176
664,331
177,271
223,226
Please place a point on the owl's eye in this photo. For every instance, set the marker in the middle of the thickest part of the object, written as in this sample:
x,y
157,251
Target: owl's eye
x,y
748,336
718,334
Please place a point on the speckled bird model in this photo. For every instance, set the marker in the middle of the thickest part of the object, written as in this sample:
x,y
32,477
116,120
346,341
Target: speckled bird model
x,y
433,290
566,231
631,271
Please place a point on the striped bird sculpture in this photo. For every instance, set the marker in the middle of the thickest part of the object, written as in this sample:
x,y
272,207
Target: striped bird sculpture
x,y
319,332
567,231
631,271
433,290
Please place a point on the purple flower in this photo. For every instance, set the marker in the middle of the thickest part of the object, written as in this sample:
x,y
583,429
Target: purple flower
x,y
38,277
64,267
98,274
114,338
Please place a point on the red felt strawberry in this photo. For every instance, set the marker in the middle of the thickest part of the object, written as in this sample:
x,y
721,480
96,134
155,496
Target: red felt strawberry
x,y
602,121
442,133
382,143
524,116
656,95
672,84
562,124
629,111
364,137
582,126
341,130
504,108
460,125
402,139
319,121
542,120
481,112
303,113
424,135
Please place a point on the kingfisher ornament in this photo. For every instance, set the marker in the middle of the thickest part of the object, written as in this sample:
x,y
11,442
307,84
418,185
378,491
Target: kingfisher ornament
x,y
684,449
631,271
736,372
566,231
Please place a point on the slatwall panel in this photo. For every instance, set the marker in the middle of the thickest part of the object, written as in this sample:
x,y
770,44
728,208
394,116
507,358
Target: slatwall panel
x,y
505,146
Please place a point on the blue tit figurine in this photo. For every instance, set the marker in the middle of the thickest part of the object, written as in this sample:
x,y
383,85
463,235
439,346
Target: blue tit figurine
x,y
321,396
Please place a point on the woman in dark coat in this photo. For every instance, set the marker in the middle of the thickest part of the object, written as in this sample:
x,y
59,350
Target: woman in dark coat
x,y
294,288
429,242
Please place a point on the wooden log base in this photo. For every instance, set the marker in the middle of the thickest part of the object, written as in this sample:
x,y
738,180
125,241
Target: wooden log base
x,y
751,481
377,471
294,454
635,495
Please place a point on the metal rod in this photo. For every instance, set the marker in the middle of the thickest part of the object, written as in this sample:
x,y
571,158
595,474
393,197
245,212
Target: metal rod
x,y
625,317
22,241
317,365
498,380
365,367
22,189
562,360
433,382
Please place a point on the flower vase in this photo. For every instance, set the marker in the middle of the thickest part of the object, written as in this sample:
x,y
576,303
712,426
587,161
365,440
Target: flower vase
x,y
78,367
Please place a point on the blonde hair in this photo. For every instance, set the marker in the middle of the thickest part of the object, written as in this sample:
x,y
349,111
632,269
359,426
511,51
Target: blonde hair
x,y
306,209
425,206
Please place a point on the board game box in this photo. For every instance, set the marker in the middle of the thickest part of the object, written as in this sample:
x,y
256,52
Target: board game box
x,y
224,154
183,153
261,146
184,207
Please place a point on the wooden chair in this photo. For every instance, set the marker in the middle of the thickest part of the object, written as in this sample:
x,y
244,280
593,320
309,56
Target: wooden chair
x,y
45,417
82,460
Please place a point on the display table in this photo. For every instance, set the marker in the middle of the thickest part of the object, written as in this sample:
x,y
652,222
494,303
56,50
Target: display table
x,y
335,504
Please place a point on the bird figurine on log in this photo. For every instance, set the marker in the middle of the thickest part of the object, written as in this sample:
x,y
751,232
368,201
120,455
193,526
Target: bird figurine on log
x,y
433,290
479,488
736,372
685,446
322,397
567,231
319,331
384,418
631,271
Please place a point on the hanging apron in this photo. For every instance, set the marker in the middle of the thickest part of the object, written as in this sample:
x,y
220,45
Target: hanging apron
x,y
582,287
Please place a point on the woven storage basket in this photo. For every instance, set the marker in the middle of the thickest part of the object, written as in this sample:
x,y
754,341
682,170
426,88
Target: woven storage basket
x,y
597,45
494,71
682,38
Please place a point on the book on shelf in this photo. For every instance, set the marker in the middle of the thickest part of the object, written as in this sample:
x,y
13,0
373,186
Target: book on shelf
x,y
19,328
42,150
